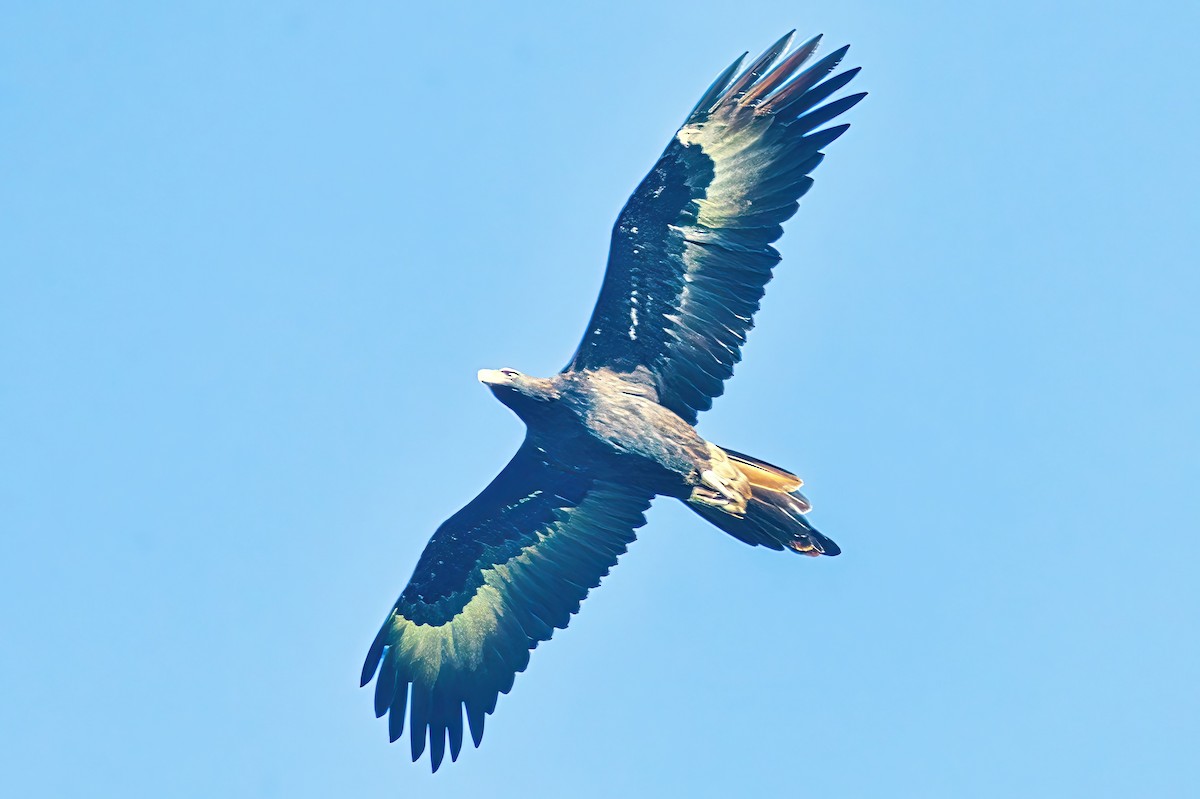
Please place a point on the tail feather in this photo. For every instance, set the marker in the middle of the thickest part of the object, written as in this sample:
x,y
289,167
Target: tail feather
x,y
774,515
763,474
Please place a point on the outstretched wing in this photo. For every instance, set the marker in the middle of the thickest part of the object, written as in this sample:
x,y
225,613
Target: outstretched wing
x,y
691,251
495,580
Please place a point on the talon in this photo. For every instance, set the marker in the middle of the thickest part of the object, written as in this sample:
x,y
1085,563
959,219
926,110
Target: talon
x,y
713,480
716,492
706,497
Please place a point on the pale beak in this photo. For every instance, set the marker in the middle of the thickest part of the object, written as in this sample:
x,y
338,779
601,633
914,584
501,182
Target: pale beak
x,y
492,377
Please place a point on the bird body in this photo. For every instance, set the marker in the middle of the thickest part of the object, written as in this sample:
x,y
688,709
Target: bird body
x,y
688,264
620,416
613,422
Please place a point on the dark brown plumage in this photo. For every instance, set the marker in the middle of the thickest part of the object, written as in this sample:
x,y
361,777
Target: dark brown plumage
x,y
690,257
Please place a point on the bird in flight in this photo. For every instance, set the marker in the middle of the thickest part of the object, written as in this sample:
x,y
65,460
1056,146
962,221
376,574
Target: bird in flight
x,y
688,263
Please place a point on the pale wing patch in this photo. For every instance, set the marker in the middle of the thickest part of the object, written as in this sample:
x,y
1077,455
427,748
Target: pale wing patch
x,y
458,643
741,157
490,637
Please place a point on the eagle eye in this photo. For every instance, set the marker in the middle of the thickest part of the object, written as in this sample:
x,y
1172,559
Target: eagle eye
x,y
509,372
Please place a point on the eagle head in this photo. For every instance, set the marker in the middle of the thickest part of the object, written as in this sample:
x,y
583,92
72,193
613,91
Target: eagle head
x,y
519,391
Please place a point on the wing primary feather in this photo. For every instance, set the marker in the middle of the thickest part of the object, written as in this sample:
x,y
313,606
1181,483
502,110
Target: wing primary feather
x,y
385,687
437,745
441,709
823,138
782,72
806,80
796,181
490,706
715,90
760,66
454,728
396,715
475,719
818,93
418,719
376,652
506,683
816,119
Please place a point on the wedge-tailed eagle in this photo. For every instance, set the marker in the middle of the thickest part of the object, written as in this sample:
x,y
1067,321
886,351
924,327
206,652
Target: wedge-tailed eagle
x,y
690,256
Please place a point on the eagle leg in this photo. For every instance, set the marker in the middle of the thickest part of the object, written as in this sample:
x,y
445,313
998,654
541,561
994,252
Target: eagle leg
x,y
717,492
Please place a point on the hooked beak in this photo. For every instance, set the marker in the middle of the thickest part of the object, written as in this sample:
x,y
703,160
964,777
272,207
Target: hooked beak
x,y
492,377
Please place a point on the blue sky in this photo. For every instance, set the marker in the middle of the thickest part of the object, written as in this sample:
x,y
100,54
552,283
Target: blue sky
x,y
250,260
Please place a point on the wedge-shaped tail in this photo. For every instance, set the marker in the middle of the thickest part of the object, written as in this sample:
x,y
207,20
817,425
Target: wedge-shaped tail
x,y
774,513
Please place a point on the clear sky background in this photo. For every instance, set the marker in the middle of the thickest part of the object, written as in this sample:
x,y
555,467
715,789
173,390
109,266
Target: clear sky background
x,y
251,258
